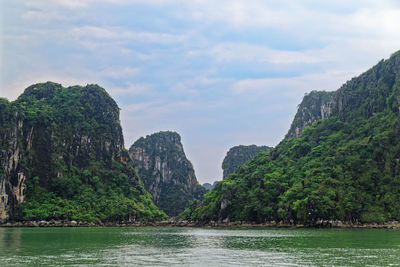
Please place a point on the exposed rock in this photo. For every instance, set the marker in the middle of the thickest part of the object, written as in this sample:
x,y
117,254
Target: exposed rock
x,y
209,186
319,105
239,155
166,172
314,107
12,174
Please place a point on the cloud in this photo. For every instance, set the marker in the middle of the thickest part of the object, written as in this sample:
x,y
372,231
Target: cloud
x,y
131,90
95,37
239,13
88,4
14,89
120,72
294,86
240,51
117,33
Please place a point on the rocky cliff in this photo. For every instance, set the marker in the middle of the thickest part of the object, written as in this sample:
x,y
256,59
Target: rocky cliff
x,y
319,105
63,157
315,106
12,176
339,161
166,172
239,155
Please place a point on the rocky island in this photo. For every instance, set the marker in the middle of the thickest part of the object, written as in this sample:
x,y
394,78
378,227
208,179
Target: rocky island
x,y
166,172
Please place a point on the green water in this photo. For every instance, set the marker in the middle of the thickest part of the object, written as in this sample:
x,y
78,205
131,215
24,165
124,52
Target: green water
x,y
161,246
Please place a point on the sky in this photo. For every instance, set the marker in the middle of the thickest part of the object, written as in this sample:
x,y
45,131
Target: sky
x,y
220,73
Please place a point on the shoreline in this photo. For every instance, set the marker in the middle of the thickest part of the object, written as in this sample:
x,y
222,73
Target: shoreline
x,y
244,225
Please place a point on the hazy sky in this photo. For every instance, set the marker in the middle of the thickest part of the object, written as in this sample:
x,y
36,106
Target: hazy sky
x,y
220,73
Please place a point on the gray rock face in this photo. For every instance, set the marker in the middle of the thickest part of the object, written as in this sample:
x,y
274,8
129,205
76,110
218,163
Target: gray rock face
x,y
314,107
319,105
12,175
239,155
207,186
166,172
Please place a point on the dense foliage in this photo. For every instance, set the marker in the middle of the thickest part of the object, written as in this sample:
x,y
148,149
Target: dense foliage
x,y
88,195
345,167
74,159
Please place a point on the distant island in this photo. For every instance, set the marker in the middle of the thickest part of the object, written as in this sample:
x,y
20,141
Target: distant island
x,y
166,172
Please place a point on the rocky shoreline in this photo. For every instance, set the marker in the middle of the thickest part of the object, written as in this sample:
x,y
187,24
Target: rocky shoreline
x,y
320,224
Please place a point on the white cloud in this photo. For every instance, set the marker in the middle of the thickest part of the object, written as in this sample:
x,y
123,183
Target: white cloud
x,y
294,86
193,85
120,72
73,3
79,4
132,90
14,89
235,51
94,37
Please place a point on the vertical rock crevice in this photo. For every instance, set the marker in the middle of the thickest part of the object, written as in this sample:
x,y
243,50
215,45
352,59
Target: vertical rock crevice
x,y
166,172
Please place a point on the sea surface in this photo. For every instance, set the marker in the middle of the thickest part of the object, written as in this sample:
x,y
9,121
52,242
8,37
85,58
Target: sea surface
x,y
163,246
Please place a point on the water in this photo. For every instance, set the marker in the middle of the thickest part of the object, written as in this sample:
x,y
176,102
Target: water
x,y
162,246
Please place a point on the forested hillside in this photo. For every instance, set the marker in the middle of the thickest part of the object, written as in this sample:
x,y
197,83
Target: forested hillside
x,y
339,161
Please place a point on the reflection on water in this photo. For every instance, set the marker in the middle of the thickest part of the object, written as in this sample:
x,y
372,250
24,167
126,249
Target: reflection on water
x,y
198,247
10,239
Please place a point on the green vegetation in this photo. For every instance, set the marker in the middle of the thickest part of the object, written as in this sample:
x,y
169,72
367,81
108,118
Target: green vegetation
x,y
73,157
91,196
345,167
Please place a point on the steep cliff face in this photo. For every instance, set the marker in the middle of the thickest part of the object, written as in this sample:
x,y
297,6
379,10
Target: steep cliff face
x,y
12,176
314,107
166,172
339,161
357,93
64,145
239,155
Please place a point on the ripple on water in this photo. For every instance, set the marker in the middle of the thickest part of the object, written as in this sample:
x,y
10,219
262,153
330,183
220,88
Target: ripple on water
x,y
199,247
